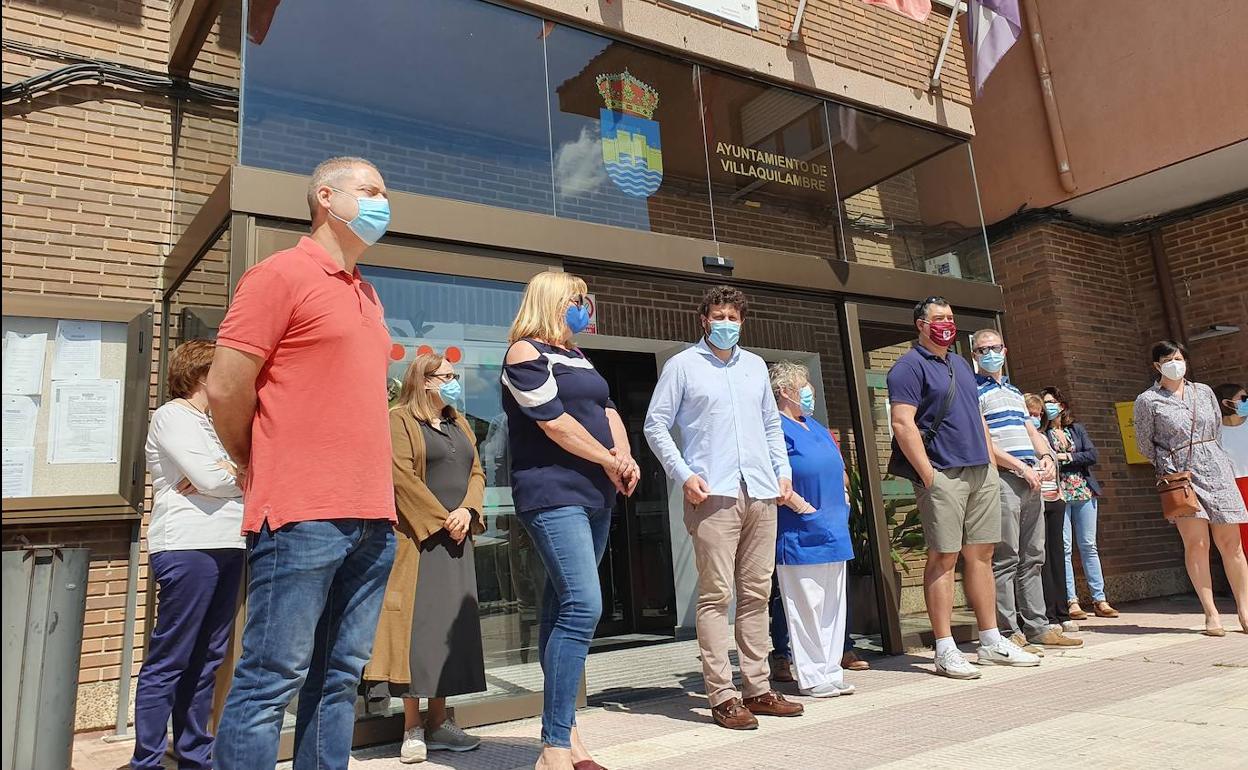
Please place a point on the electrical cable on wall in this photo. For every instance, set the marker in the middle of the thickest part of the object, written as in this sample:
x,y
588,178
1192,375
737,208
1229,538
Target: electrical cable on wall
x,y
85,70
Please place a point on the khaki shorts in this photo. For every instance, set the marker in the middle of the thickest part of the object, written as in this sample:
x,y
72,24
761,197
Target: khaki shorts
x,y
961,507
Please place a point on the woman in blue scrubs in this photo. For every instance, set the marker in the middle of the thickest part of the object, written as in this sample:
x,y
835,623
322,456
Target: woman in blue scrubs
x,y
812,539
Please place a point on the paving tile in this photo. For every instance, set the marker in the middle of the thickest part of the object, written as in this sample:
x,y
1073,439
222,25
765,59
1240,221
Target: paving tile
x,y
1145,691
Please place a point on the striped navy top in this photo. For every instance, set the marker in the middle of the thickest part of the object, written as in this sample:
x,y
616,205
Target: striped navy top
x,y
543,474
1005,411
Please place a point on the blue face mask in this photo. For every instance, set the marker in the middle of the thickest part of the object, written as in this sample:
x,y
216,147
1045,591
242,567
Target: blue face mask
x,y
1035,422
1052,411
807,400
371,223
577,318
1241,408
450,392
992,361
724,334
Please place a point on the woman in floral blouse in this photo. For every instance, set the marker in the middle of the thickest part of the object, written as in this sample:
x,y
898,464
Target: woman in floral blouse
x,y
1078,486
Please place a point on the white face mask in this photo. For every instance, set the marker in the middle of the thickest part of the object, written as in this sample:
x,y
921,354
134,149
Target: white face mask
x,y
1174,370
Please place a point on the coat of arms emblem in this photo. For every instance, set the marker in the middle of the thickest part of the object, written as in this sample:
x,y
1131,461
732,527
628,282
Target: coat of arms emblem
x,y
631,150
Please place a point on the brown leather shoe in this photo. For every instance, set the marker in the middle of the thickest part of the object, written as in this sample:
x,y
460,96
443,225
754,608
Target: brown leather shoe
x,y
781,669
1076,612
1104,610
851,662
733,715
773,704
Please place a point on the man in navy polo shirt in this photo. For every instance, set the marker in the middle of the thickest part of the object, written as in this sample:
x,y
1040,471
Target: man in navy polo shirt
x,y
958,488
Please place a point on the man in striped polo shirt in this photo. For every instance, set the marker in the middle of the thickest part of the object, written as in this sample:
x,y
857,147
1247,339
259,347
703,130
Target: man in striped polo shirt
x,y
1023,457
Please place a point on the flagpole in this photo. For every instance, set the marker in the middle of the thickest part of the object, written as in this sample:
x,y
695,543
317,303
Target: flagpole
x,y
934,82
795,34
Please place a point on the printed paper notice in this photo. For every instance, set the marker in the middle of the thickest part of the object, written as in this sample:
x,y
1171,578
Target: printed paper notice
x,y
20,414
78,346
19,471
84,421
23,363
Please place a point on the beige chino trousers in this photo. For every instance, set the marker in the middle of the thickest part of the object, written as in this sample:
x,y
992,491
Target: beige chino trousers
x,y
734,547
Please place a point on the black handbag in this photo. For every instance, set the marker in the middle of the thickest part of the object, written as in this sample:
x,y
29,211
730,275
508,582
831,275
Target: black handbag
x,y
898,464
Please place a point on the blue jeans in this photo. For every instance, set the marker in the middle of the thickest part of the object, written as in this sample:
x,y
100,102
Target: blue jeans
x,y
313,600
1081,516
198,597
571,541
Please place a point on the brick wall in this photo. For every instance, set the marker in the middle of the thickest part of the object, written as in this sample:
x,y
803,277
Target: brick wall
x,y
1082,311
87,203
89,199
1208,255
87,168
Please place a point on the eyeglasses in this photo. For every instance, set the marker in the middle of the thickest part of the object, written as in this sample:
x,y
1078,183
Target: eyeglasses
x,y
446,376
982,349
579,300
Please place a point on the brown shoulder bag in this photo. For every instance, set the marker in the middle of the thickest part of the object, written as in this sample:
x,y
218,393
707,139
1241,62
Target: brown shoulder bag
x,y
1178,497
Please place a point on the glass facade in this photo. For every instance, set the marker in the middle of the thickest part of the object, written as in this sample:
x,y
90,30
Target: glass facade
x,y
908,196
449,100
467,100
195,305
466,320
770,167
626,136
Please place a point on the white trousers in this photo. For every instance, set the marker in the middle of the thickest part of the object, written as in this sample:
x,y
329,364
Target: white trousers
x,y
814,603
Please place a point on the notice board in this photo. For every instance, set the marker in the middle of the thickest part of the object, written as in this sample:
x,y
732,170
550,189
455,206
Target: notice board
x,y
75,401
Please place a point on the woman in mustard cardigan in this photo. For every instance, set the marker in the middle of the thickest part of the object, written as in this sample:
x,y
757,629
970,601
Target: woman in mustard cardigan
x,y
438,490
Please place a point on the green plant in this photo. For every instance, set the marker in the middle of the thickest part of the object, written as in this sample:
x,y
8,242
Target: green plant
x,y
905,532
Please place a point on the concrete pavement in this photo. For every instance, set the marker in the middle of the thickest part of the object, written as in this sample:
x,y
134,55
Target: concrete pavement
x,y
1147,690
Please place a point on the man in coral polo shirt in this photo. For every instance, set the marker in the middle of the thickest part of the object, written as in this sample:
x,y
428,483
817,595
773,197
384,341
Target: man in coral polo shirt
x,y
298,396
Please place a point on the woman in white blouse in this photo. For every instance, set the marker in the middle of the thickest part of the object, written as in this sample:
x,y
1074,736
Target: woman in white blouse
x,y
196,552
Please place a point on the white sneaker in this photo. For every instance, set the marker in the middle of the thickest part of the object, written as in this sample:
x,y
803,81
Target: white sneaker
x,y
1069,626
953,665
828,690
1005,653
413,749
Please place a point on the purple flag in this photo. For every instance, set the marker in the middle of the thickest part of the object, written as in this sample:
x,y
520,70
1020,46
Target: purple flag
x,y
995,26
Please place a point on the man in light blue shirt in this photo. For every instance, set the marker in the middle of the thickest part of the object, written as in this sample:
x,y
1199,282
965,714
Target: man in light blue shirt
x,y
734,468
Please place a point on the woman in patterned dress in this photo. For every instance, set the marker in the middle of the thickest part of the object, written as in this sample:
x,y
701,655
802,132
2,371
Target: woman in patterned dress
x,y
1177,425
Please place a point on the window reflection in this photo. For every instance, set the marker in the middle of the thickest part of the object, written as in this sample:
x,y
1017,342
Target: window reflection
x,y
469,100
448,99
627,136
196,305
771,171
466,320
908,196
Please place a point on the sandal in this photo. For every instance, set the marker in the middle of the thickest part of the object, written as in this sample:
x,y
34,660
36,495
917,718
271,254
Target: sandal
x,y
1076,612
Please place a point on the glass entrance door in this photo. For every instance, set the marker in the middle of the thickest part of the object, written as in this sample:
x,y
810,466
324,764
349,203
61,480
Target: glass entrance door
x,y
879,336
636,572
